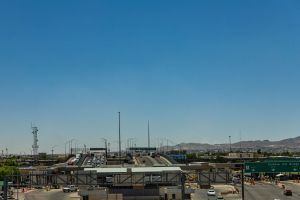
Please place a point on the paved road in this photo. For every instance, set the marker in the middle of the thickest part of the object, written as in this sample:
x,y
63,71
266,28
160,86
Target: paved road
x,y
295,187
145,160
260,191
165,161
201,194
86,160
266,191
50,195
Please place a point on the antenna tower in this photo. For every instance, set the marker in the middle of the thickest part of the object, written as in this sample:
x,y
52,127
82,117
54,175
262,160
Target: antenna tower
x,y
35,140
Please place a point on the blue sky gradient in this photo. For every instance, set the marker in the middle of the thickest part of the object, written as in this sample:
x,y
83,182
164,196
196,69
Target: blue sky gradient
x,y
198,70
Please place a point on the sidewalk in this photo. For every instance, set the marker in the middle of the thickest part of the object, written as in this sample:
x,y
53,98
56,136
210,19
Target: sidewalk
x,y
20,195
74,195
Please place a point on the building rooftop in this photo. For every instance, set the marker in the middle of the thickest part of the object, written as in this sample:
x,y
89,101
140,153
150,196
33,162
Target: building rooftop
x,y
134,169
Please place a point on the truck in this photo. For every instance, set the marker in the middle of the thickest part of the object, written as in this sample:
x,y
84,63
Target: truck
x,y
70,188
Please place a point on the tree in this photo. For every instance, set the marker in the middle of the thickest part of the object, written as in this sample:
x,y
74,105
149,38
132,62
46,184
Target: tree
x,y
9,170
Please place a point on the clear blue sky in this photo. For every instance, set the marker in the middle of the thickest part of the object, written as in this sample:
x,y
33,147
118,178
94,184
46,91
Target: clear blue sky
x,y
198,70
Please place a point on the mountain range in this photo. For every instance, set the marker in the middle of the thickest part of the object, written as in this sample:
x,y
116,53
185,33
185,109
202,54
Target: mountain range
x,y
290,144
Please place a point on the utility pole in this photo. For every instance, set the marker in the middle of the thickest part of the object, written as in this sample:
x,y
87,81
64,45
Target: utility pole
x,y
119,136
167,145
148,135
230,144
105,145
5,188
240,141
66,149
183,179
71,142
243,184
52,149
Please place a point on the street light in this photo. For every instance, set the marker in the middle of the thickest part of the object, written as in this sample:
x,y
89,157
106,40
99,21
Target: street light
x,y
130,143
120,136
105,144
76,146
71,141
166,139
229,143
66,149
52,149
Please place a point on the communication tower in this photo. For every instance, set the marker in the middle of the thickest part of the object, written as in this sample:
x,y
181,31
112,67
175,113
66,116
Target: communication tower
x,y
35,140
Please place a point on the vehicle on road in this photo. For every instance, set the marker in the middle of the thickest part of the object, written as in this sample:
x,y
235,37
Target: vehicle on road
x,y
236,180
288,192
70,188
211,193
220,198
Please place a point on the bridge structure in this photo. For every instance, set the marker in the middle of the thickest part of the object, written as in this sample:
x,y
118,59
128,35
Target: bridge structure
x,y
118,177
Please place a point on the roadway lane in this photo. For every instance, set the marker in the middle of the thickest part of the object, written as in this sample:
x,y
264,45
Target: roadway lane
x,y
144,160
266,191
260,191
165,161
295,187
152,160
86,160
48,195
159,161
201,194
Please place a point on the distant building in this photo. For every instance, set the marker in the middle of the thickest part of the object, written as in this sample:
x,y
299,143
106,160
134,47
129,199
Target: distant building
x,y
243,155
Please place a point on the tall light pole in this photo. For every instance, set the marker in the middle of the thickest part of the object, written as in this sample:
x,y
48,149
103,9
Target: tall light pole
x,y
71,141
77,144
105,143
229,143
148,135
52,149
66,149
130,143
119,135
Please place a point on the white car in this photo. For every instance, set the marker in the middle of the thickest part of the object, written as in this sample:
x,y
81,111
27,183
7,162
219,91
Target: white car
x,y
211,193
70,188
220,198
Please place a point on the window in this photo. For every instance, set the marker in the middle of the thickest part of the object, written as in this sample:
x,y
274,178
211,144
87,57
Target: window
x,y
173,196
85,198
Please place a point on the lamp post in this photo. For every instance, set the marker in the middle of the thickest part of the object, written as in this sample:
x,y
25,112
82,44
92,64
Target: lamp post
x,y
130,143
229,143
120,136
105,144
71,141
166,139
66,149
52,149
76,146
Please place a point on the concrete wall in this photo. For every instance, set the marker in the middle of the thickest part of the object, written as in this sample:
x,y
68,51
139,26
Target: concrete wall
x,y
99,194
170,192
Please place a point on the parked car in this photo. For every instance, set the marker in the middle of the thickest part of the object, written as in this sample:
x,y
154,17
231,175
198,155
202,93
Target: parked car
x,y
288,192
70,188
220,198
211,193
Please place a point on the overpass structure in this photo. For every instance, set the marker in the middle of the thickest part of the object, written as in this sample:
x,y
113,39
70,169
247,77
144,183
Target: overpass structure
x,y
104,177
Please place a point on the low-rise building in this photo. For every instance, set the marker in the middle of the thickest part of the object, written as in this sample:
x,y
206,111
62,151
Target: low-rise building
x,y
243,155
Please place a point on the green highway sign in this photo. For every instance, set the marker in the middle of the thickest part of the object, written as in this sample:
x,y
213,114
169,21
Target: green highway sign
x,y
275,167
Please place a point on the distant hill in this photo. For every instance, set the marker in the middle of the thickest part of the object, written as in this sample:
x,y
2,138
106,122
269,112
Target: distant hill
x,y
290,144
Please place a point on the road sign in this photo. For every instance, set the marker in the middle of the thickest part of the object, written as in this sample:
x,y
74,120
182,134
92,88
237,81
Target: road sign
x,y
275,167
